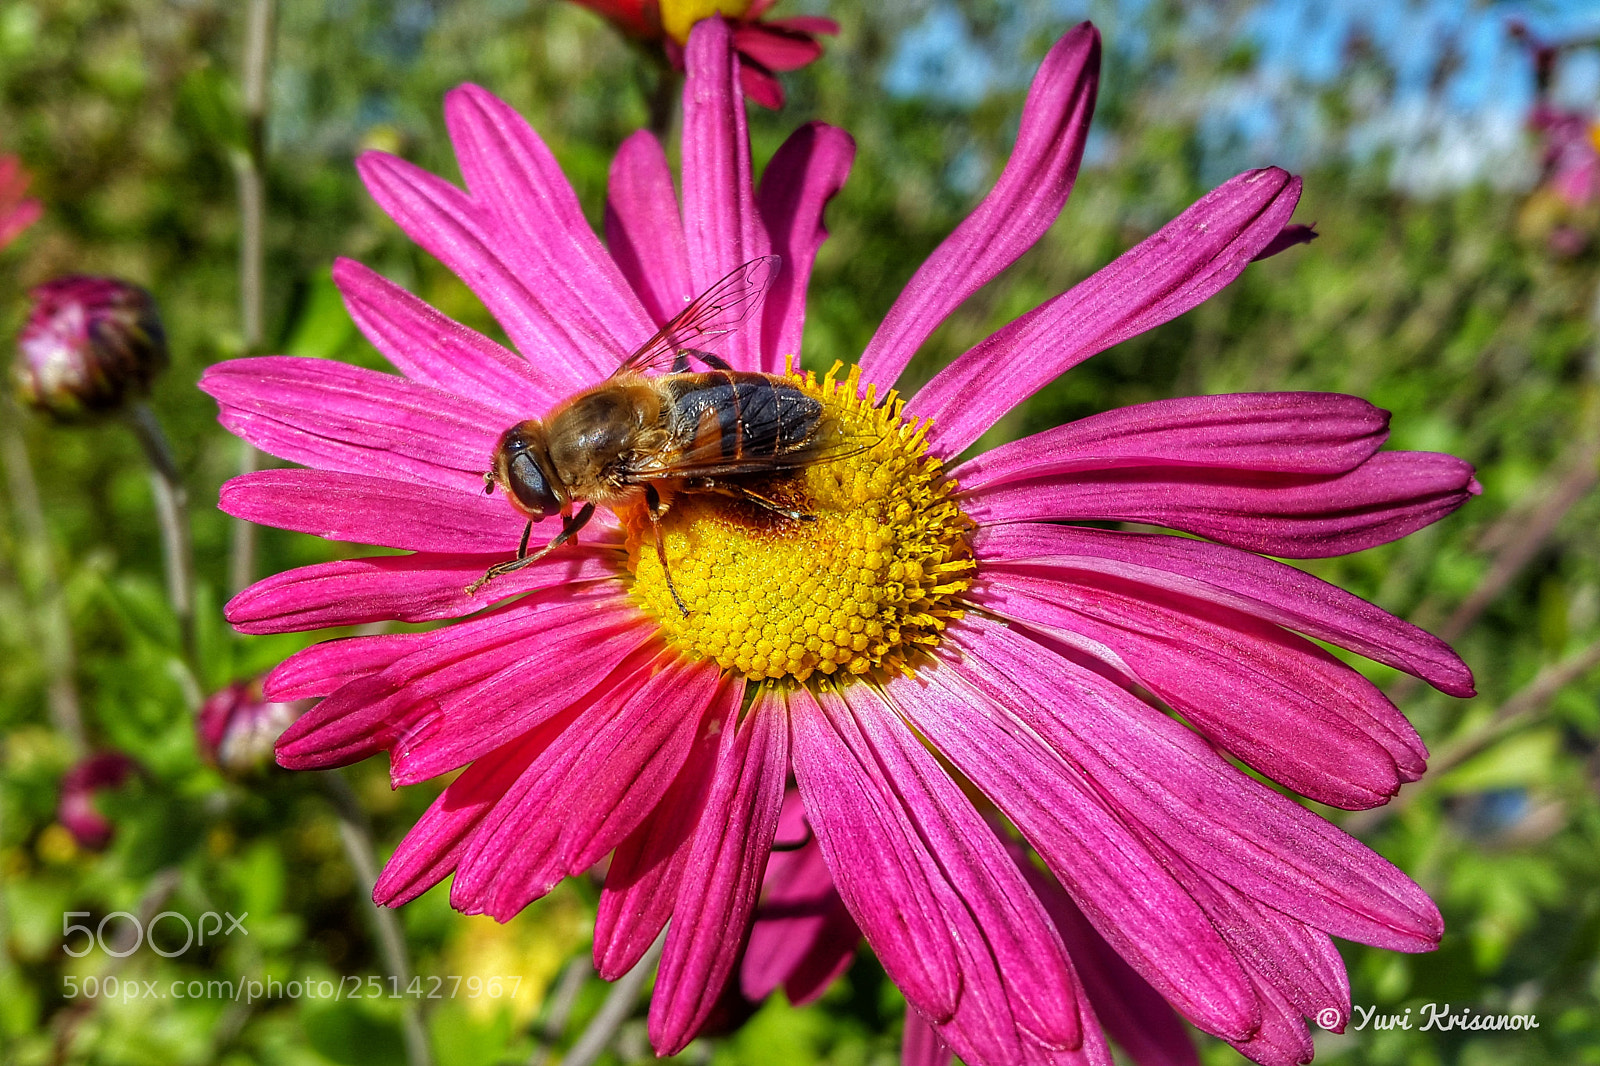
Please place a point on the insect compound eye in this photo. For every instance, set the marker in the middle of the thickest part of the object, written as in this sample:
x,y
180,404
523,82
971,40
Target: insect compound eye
x,y
526,481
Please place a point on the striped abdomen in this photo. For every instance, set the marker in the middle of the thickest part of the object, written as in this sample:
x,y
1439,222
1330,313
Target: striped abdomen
x,y
733,418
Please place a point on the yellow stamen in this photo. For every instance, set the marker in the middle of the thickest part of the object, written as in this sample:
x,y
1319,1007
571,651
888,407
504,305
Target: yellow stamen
x,y
872,580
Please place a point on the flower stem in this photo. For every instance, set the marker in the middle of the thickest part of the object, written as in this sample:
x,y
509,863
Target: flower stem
x,y
615,1010
249,163
356,832
172,512
559,1004
662,96
54,625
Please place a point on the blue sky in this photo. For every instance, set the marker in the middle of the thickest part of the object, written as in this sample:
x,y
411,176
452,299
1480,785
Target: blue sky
x,y
1467,129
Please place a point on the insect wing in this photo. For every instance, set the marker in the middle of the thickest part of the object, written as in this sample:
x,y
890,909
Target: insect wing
x,y
706,456
709,319
691,465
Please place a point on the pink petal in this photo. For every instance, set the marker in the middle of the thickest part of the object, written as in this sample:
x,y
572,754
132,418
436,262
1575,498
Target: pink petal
x,y
920,1045
1290,432
722,876
1133,1013
512,174
465,238
1386,498
1032,962
1023,204
436,350
774,47
805,24
1294,960
1186,262
1124,889
323,669
642,884
1283,1039
803,936
760,86
1160,774
809,168
983,1027
1245,582
472,687
645,229
828,955
1287,238
593,785
545,674
642,752
433,847
522,870
719,210
1299,963
405,588
1278,702
869,846
385,511
333,416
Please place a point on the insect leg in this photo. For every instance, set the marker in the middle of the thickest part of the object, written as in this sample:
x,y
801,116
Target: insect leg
x,y
569,529
522,546
652,502
742,492
680,362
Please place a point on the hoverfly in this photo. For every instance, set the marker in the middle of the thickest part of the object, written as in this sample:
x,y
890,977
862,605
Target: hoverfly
x,y
718,431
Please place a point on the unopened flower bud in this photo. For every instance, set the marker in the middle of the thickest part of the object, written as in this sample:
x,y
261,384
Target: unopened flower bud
x,y
80,785
90,344
238,726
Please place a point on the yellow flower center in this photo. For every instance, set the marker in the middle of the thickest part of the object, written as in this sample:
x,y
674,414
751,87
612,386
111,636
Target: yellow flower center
x,y
864,587
679,16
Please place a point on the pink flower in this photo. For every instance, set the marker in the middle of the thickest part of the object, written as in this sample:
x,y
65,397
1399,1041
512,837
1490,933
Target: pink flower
x,y
1570,152
80,786
237,727
17,211
911,615
765,45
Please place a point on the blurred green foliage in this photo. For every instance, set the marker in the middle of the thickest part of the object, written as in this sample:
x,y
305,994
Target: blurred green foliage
x,y
1452,312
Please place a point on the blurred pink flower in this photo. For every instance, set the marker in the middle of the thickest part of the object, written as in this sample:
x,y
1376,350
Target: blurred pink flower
x,y
80,786
584,729
766,46
17,210
1570,153
90,344
237,726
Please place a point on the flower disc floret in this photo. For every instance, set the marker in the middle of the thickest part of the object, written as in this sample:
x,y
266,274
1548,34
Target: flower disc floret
x,y
872,579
